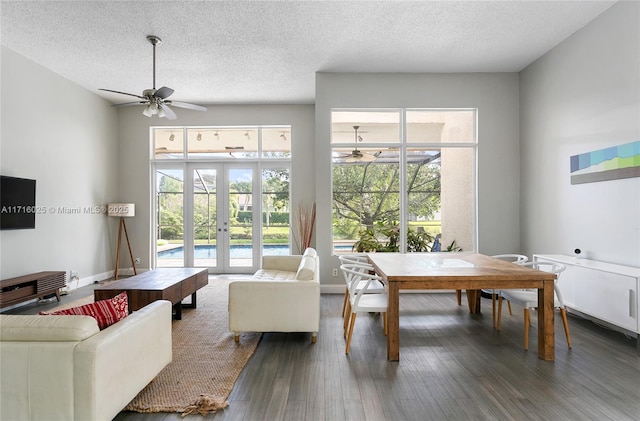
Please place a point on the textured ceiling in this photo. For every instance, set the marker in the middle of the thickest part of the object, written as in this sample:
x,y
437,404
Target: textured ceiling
x,y
225,52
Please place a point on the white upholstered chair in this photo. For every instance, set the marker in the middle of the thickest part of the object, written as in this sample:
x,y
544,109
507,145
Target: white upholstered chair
x,y
528,298
360,301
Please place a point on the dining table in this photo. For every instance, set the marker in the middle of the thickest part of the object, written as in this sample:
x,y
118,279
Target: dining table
x,y
462,271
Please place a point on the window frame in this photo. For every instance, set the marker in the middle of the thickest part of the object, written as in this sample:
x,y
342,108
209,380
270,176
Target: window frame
x,y
403,145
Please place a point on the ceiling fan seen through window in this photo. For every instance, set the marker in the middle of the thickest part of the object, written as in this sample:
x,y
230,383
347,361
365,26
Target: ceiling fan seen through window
x,y
356,155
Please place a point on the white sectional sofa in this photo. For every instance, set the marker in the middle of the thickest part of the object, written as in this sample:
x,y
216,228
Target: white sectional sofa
x,y
283,296
65,368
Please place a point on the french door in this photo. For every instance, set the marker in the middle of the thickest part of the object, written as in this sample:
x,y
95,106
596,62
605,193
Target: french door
x,y
219,204
225,239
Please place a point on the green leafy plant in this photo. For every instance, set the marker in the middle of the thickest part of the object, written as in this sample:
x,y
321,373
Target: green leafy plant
x,y
418,241
453,247
367,242
386,238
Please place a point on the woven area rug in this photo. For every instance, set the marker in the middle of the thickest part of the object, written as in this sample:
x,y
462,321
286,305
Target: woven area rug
x,y
206,360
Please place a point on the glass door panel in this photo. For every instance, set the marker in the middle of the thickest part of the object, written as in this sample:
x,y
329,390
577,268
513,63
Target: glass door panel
x,y
170,211
239,224
205,253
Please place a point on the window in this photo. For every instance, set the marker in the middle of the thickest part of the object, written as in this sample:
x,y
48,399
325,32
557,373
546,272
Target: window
x,y
276,210
222,143
403,180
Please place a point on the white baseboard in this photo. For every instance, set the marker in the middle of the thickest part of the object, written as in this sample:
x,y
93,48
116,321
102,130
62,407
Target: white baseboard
x,y
88,280
332,289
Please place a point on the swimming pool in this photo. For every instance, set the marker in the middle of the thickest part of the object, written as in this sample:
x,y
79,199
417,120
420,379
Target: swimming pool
x,y
208,251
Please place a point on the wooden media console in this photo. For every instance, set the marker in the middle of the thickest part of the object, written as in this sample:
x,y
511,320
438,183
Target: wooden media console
x,y
27,287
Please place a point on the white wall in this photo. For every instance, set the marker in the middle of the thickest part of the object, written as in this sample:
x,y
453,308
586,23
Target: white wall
x,y
65,137
496,97
134,153
582,96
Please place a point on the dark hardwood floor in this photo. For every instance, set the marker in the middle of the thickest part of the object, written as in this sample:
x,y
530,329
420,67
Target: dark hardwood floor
x,y
453,366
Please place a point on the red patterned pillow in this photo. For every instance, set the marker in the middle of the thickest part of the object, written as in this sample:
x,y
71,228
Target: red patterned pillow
x,y
106,312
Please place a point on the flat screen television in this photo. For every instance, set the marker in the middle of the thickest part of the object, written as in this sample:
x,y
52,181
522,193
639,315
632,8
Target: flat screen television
x,y
17,203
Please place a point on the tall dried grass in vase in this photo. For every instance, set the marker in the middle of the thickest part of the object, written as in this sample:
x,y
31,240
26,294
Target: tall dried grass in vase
x,y
306,218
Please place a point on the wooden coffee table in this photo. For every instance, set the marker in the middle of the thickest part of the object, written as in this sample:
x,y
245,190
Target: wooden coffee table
x,y
172,284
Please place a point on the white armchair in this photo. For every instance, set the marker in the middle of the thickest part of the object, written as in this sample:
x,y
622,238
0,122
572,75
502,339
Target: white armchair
x,y
283,296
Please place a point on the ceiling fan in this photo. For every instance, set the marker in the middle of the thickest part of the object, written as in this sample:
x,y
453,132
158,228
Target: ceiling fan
x,y
357,155
155,101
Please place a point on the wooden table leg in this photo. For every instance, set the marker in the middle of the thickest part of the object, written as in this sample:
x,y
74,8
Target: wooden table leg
x,y
546,333
393,323
473,298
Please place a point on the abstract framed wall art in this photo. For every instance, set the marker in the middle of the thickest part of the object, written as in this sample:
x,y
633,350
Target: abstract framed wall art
x,y
622,161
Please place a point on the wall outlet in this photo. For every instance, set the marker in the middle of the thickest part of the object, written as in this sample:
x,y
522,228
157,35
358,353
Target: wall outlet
x,y
335,272
136,260
73,275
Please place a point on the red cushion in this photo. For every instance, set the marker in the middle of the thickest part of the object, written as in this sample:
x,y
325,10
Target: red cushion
x,y
106,312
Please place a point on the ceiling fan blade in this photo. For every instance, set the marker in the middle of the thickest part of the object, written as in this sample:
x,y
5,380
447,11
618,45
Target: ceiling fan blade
x,y
123,93
128,104
187,105
367,157
357,156
156,100
168,112
164,92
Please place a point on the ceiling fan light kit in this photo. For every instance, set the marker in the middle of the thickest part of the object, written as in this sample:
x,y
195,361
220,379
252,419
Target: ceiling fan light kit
x,y
155,101
356,155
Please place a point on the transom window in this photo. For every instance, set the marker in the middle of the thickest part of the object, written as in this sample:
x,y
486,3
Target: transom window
x,y
222,143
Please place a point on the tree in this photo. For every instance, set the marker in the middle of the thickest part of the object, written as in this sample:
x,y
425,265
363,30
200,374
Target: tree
x,y
204,205
423,187
275,184
170,208
365,194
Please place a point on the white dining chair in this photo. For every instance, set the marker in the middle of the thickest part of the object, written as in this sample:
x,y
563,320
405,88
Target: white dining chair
x,y
528,298
362,263
354,284
362,302
512,258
